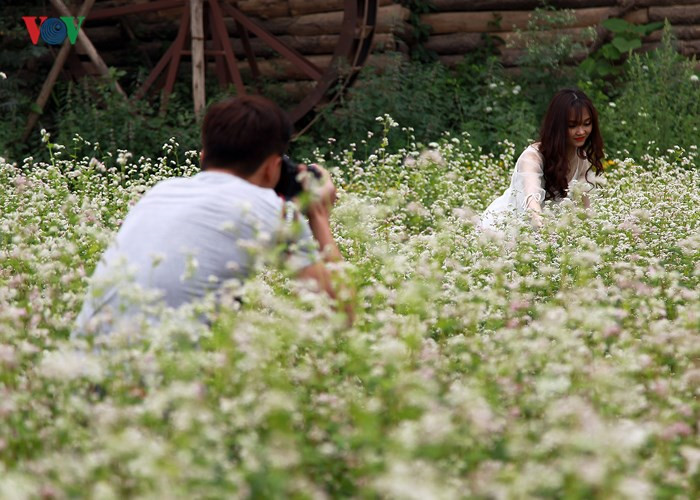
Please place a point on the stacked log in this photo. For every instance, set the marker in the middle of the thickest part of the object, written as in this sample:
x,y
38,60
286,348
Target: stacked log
x,y
266,9
458,26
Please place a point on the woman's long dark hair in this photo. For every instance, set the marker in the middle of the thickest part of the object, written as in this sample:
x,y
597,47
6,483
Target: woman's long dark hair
x,y
554,140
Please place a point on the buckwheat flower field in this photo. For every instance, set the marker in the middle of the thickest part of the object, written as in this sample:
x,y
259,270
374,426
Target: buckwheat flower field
x,y
560,362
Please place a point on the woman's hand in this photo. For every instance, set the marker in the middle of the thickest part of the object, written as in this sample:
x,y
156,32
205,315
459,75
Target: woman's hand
x,y
586,201
536,218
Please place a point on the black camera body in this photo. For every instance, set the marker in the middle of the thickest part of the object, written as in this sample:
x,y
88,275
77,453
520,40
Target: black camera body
x,y
288,186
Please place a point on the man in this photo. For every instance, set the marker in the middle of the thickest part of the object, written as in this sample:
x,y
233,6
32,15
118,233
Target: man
x,y
187,236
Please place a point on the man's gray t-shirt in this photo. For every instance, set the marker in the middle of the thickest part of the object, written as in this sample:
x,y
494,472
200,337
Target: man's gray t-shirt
x,y
186,236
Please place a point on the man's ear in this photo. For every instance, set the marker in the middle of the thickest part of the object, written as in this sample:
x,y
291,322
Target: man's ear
x,y
201,159
271,172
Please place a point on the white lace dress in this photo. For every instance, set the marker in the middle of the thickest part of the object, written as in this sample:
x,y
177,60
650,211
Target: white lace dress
x,y
526,190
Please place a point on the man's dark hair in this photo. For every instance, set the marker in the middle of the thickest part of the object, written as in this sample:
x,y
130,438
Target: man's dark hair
x,y
240,133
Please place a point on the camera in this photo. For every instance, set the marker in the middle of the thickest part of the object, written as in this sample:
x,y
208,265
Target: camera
x,y
289,186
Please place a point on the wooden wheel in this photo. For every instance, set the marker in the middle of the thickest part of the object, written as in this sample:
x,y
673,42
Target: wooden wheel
x,y
236,50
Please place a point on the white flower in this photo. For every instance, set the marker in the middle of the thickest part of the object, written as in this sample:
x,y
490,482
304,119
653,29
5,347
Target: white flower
x,y
7,355
70,365
612,104
97,164
3,76
123,157
694,78
191,266
517,89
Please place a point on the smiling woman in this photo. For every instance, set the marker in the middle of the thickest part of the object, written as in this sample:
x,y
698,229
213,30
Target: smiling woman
x,y
569,147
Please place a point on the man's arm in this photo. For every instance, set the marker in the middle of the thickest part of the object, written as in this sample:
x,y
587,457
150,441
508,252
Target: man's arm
x,y
321,230
318,213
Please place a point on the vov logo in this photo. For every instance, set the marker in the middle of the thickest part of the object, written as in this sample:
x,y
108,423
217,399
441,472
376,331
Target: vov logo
x,y
53,30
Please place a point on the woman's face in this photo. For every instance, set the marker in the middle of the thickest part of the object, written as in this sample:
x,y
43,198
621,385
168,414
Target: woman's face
x,y
579,131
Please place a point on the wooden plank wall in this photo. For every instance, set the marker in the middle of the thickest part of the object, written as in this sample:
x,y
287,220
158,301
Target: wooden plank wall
x,y
457,25
312,27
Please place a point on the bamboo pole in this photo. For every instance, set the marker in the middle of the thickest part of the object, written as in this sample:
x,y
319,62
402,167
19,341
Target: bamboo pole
x,y
87,46
53,76
197,36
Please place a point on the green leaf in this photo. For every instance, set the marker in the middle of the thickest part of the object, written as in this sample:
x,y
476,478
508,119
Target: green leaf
x,y
626,44
609,51
617,25
647,29
588,65
604,68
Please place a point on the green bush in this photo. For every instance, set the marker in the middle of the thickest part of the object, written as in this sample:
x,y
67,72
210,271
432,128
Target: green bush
x,y
548,62
109,122
658,105
427,99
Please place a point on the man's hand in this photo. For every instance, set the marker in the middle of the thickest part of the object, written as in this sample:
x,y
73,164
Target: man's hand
x,y
323,197
323,192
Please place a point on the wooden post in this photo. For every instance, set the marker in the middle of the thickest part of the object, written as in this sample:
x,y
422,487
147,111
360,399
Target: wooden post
x,y
197,35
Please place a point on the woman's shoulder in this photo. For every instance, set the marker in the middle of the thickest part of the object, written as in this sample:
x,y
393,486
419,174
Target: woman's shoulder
x,y
532,153
535,146
530,159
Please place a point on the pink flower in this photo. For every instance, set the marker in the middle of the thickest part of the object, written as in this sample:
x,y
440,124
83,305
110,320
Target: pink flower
x,y
677,429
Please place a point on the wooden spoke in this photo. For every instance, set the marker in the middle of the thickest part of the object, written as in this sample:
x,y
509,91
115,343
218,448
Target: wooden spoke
x,y
325,80
231,61
274,43
136,9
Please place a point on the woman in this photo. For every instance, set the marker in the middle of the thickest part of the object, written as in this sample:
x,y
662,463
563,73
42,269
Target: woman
x,y
569,148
